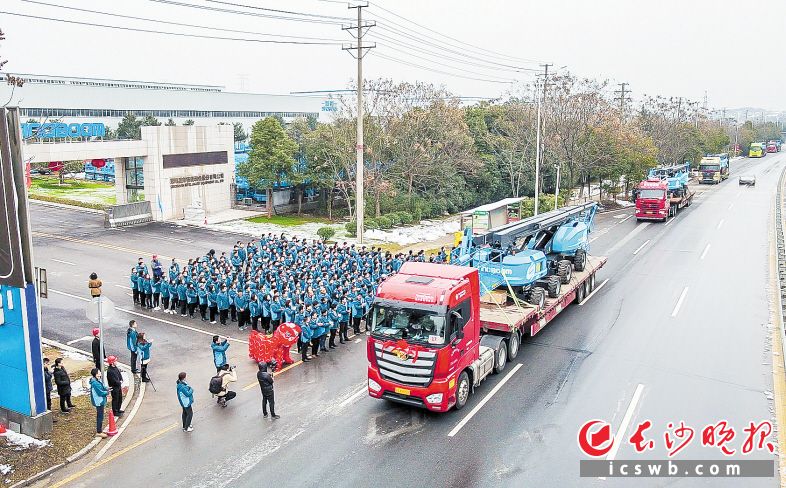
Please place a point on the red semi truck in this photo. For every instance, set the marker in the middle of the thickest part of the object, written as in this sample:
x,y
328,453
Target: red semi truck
x,y
433,340
654,200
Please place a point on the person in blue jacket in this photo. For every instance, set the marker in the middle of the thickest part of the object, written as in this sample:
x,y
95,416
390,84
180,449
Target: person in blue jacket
x,y
192,298
131,344
241,305
185,395
174,303
182,296
134,286
212,303
174,270
356,306
305,338
324,322
275,312
164,284
343,321
254,311
156,288
232,307
98,394
147,290
202,295
265,304
143,351
223,301
320,328
219,348
333,317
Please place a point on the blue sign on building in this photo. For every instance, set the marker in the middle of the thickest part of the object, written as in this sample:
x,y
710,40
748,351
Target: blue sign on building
x,y
59,130
329,106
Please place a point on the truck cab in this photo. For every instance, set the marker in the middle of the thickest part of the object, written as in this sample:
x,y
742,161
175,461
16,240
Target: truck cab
x,y
425,348
757,150
714,168
652,199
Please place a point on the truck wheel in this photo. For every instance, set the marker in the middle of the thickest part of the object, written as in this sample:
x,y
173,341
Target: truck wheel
x,y
580,260
592,282
537,297
580,293
553,286
565,271
501,357
513,345
462,390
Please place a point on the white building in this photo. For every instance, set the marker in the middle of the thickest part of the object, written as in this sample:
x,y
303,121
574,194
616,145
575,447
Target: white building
x,y
88,100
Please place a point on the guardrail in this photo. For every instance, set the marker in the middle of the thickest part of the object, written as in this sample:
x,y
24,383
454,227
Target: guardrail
x,y
780,244
128,214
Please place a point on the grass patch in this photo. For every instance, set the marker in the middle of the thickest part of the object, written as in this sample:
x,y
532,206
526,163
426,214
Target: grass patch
x,y
96,194
288,220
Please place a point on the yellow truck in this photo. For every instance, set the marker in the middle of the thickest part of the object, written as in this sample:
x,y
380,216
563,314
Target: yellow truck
x,y
757,150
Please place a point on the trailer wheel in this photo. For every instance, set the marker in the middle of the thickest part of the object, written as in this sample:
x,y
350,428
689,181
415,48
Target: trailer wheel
x,y
501,357
537,296
580,260
580,292
565,271
513,345
462,390
592,282
554,284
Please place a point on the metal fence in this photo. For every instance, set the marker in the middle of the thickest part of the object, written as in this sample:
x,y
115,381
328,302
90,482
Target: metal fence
x,y
780,244
128,214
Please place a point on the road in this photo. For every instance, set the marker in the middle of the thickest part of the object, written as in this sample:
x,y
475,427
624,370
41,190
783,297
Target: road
x,y
677,333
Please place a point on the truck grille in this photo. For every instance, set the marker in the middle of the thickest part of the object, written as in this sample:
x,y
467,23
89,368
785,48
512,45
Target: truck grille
x,y
649,206
406,371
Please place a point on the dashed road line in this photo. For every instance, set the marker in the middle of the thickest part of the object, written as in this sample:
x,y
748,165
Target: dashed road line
x,y
704,254
720,224
485,400
69,263
679,302
597,289
641,247
625,422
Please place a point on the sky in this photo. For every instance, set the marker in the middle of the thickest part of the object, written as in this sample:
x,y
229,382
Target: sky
x,y
730,50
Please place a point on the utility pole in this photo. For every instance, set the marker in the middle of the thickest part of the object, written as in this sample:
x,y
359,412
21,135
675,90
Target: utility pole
x,y
556,189
360,50
537,137
623,99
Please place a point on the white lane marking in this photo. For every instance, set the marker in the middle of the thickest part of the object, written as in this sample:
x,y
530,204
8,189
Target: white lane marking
x,y
703,254
477,408
63,262
679,302
132,312
720,224
594,292
641,247
357,340
626,218
354,397
126,421
85,338
625,421
670,221
627,238
731,205
124,287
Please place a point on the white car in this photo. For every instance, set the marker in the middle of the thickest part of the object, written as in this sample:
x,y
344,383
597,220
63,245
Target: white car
x,y
749,180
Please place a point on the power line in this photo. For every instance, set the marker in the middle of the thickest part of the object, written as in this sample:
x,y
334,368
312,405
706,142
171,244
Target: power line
x,y
487,51
180,34
401,61
279,11
240,12
444,56
178,23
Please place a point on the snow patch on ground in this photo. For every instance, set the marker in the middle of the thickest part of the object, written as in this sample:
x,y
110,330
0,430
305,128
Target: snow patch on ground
x,y
22,441
624,203
309,231
76,356
5,469
425,231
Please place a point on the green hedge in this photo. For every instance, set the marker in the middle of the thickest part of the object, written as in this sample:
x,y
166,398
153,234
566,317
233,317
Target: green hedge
x,y
326,233
68,201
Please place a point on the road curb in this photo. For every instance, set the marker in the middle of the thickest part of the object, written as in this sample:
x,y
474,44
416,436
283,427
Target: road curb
x,y
92,444
70,207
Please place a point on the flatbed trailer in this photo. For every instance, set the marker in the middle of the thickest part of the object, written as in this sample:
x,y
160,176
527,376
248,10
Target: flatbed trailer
x,y
527,319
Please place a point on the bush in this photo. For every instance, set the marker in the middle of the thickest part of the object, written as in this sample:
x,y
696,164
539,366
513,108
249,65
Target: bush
x,y
384,222
393,218
352,228
370,224
406,218
417,216
326,233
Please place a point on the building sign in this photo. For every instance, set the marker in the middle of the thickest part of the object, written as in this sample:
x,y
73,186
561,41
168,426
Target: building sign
x,y
194,159
59,130
329,106
200,180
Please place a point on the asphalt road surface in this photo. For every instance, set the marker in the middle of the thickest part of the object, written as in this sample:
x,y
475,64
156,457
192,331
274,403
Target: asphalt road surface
x,y
678,332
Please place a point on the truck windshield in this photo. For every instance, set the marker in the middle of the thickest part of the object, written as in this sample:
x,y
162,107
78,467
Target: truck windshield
x,y
709,167
651,194
407,323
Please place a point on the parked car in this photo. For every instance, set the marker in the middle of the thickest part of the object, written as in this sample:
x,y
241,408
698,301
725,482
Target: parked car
x,y
748,180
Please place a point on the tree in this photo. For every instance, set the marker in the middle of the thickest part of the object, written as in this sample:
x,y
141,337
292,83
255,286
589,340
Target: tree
x,y
240,133
149,120
170,123
13,81
271,158
109,134
189,122
330,153
129,127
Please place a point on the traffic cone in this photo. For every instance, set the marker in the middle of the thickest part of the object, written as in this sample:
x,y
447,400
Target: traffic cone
x,y
2,429
111,428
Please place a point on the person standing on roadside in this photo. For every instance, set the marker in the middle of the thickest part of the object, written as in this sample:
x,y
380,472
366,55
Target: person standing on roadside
x,y
223,302
115,380
185,395
48,384
219,352
143,351
98,357
63,383
95,285
131,344
98,394
265,380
